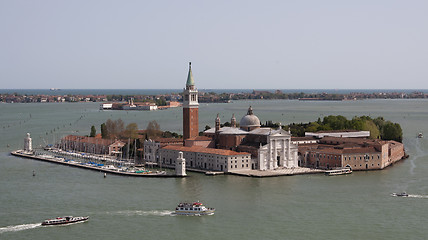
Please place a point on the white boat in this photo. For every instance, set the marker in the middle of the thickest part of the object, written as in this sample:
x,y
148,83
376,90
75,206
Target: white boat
x,y
64,220
403,194
338,172
420,135
193,209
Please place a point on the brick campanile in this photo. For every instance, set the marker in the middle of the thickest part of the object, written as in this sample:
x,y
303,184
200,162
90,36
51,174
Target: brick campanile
x,y
190,108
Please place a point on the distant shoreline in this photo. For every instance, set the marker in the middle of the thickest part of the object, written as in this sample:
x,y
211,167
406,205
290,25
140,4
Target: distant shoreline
x,y
179,90
160,98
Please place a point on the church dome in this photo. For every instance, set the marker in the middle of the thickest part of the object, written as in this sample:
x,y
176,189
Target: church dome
x,y
249,121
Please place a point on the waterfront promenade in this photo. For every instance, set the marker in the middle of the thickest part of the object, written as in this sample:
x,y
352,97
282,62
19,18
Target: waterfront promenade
x,y
256,173
277,172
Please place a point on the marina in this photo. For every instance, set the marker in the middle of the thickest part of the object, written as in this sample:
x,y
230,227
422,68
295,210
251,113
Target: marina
x,y
134,172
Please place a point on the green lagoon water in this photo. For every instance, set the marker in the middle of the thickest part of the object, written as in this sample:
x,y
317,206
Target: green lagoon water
x,y
358,206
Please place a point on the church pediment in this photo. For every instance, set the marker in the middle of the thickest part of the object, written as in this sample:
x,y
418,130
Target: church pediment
x,y
279,133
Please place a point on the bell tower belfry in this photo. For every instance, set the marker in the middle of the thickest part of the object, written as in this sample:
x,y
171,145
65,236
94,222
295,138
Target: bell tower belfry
x,y
190,108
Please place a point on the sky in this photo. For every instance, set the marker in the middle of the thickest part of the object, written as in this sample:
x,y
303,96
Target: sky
x,y
306,44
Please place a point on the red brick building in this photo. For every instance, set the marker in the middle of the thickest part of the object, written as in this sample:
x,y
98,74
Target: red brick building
x,y
91,145
357,153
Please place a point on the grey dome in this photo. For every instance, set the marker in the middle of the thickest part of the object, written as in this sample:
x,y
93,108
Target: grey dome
x,y
249,120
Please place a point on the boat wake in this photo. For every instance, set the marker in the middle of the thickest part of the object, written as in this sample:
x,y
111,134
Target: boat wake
x,y
419,152
144,213
417,196
17,228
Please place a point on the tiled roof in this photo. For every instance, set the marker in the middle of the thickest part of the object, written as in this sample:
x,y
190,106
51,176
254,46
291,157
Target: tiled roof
x,y
168,140
200,138
227,130
198,149
92,140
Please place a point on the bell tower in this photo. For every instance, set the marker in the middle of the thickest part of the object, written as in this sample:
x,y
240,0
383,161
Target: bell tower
x,y
190,108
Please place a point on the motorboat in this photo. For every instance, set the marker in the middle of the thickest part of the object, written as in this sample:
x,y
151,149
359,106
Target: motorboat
x,y
403,194
64,220
193,209
420,135
338,172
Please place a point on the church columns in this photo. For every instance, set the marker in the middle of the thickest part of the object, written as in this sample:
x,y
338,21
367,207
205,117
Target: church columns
x,y
284,158
288,152
269,159
275,155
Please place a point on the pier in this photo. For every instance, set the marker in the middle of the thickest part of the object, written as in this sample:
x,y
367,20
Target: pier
x,y
52,159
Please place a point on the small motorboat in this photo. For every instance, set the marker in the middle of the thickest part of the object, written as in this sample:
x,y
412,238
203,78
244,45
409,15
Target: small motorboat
x,y
420,135
64,220
403,194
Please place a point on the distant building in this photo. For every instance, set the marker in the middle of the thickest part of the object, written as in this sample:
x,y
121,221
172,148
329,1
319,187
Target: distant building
x,y
106,106
356,153
146,106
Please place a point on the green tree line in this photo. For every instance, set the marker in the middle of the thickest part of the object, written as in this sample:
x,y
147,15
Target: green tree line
x,y
379,128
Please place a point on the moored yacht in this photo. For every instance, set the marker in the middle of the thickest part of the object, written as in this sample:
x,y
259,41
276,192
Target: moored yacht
x,y
194,209
64,220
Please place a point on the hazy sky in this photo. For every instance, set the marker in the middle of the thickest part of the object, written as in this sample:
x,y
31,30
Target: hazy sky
x,y
231,44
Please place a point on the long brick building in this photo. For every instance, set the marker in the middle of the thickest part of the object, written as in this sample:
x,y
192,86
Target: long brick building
x,y
356,153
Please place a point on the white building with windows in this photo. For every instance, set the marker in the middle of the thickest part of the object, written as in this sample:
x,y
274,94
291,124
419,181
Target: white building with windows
x,y
209,159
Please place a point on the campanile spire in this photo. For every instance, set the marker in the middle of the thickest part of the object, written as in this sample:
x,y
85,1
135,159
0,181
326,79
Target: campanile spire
x,y
190,108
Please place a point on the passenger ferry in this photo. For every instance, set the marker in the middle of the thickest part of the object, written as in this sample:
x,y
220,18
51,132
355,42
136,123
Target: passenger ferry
x,y
195,209
338,172
64,220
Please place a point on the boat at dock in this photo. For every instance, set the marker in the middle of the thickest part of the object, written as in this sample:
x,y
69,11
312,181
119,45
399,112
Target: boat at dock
x,y
64,220
338,172
193,209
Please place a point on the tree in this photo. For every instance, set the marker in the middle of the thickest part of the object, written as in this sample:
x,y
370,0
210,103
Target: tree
x,y
369,125
313,127
161,101
357,123
392,131
104,132
114,128
131,131
153,129
93,131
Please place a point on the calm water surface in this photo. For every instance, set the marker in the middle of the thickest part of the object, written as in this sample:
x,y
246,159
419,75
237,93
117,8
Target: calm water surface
x,y
358,206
